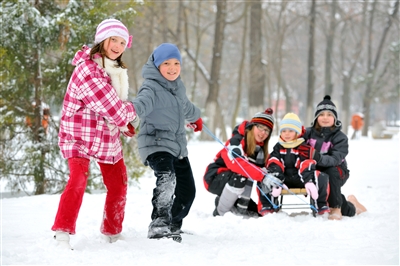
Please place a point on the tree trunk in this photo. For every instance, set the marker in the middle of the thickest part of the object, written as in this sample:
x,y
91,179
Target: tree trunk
x,y
257,84
239,93
198,44
329,50
38,130
163,22
347,74
310,66
212,98
371,86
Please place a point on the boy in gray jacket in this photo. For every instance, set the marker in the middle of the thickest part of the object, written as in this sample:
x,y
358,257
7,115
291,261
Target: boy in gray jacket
x,y
163,107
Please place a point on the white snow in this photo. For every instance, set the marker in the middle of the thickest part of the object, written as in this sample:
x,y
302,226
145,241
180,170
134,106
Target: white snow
x,y
277,239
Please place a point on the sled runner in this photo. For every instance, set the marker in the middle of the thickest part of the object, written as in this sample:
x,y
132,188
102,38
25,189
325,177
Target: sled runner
x,y
300,205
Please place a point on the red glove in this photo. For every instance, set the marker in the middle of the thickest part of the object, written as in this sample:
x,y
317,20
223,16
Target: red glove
x,y
303,131
131,131
308,152
197,126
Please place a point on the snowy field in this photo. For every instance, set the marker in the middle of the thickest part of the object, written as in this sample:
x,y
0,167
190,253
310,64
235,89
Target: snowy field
x,y
371,238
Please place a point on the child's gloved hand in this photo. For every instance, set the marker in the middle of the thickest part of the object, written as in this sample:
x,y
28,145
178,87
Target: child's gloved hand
x,y
269,182
130,132
311,190
308,152
235,151
197,126
135,122
276,191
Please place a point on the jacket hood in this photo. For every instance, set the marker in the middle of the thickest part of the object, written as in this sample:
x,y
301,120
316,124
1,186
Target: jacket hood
x,y
150,71
81,56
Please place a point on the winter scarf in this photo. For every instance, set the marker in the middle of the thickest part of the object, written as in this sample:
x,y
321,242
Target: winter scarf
x,y
119,80
290,144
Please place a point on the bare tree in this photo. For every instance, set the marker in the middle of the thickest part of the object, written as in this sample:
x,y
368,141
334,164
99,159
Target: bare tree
x,y
310,64
372,85
330,38
213,112
276,37
241,67
349,60
257,82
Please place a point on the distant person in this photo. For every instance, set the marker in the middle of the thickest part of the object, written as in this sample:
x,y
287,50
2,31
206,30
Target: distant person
x,y
45,119
163,108
93,115
357,123
330,147
232,173
296,170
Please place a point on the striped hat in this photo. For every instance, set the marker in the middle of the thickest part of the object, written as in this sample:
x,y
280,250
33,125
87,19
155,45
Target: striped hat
x,y
291,121
112,27
264,118
326,105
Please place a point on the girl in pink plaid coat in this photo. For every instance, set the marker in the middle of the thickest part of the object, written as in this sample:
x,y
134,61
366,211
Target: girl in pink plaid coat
x,y
93,115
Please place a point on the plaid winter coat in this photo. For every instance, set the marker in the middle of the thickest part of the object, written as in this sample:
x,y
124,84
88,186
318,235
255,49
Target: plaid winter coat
x,y
89,102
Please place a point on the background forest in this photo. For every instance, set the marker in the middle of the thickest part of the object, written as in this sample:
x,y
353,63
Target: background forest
x,y
239,57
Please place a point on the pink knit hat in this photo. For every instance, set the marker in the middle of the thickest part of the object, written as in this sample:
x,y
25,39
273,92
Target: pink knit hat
x,y
112,27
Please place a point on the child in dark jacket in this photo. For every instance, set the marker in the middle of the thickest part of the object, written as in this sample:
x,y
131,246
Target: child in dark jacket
x,y
294,170
329,148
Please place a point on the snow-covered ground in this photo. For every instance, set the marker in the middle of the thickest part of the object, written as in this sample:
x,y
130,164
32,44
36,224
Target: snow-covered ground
x,y
278,239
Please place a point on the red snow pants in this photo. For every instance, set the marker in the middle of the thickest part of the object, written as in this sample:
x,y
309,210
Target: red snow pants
x,y
116,181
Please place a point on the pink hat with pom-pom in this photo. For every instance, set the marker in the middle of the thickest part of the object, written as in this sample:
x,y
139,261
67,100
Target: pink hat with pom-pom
x,y
112,27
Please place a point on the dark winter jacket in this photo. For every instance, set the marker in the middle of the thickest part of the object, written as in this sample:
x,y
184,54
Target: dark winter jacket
x,y
162,107
333,145
289,166
224,162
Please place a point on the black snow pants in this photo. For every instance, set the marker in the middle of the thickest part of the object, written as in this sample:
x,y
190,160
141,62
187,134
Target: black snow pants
x,y
338,175
175,190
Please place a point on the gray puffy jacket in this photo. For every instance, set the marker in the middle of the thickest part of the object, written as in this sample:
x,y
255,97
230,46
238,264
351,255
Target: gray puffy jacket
x,y
162,107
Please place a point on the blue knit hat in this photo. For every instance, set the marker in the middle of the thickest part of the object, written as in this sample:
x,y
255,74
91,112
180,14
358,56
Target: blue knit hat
x,y
164,52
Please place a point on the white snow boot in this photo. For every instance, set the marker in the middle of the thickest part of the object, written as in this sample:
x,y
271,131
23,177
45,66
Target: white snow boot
x,y
62,239
227,199
113,238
